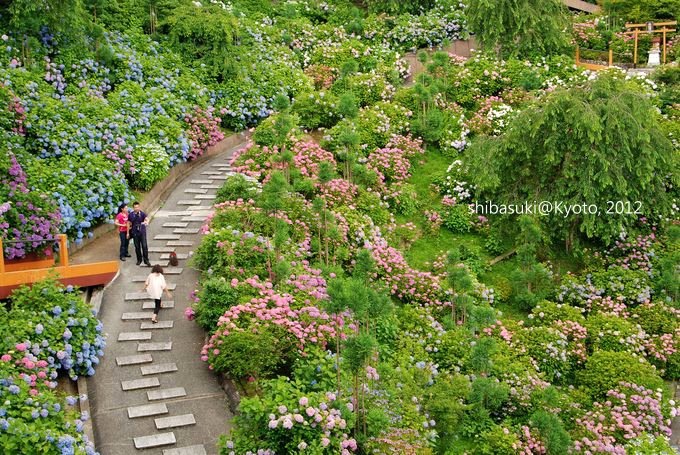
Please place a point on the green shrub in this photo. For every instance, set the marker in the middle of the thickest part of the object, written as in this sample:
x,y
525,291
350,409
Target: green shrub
x,y
458,219
604,370
151,165
244,354
217,296
236,187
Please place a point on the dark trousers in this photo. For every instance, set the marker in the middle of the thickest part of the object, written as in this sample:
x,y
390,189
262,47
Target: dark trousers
x,y
141,247
157,306
124,242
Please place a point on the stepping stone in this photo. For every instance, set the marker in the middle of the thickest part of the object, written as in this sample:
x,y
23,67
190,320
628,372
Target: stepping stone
x,y
211,173
136,316
211,187
140,384
175,225
158,325
155,440
161,249
195,191
133,359
175,213
167,237
188,450
164,394
222,177
147,410
203,213
188,202
200,219
134,336
205,196
220,165
136,296
179,243
179,256
142,279
161,346
183,420
158,368
201,182
172,271
186,230
151,305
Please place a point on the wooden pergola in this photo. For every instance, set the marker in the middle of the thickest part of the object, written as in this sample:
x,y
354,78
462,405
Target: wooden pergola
x,y
652,28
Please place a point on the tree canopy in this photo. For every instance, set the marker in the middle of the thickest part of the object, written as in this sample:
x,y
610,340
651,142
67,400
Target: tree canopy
x,y
599,143
519,27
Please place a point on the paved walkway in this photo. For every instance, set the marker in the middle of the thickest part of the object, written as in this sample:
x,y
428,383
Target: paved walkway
x,y
151,393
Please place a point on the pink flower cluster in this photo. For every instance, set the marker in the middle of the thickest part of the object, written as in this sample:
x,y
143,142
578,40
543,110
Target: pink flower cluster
x,y
499,330
204,130
338,192
635,254
307,156
630,411
434,220
408,284
390,164
323,416
306,325
529,444
576,335
310,283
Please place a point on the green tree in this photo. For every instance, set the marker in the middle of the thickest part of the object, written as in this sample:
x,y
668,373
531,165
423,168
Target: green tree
x,y
590,144
531,281
519,27
203,35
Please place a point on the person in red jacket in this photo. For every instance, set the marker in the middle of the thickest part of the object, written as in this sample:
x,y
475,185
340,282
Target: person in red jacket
x,y
123,225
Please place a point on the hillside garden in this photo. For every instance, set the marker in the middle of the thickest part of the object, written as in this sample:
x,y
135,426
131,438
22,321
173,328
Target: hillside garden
x,y
351,285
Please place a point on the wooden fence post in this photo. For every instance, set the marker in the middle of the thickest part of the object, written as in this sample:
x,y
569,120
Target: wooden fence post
x,y
578,55
63,251
2,258
635,49
611,57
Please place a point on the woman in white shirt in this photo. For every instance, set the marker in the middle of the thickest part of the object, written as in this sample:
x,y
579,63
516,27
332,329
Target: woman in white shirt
x,y
154,286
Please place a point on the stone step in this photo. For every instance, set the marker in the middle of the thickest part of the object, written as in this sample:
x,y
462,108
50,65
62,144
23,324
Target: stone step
x,y
159,346
175,225
179,256
211,187
147,410
164,394
220,165
143,295
222,177
186,230
160,249
188,202
134,336
200,219
136,384
195,191
205,196
155,440
211,173
134,359
168,237
164,304
201,182
170,213
136,316
202,213
158,325
188,450
163,423
172,271
158,368
180,243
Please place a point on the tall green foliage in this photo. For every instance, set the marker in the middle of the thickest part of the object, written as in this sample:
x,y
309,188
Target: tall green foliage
x,y
519,27
204,35
594,144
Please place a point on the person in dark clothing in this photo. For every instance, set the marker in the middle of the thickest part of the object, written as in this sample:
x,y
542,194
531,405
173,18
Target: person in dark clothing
x,y
138,222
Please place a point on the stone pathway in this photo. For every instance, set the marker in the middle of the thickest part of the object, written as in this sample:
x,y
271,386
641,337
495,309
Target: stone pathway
x,y
151,392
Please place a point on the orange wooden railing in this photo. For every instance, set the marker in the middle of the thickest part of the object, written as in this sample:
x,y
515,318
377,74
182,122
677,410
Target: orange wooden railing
x,y
17,273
